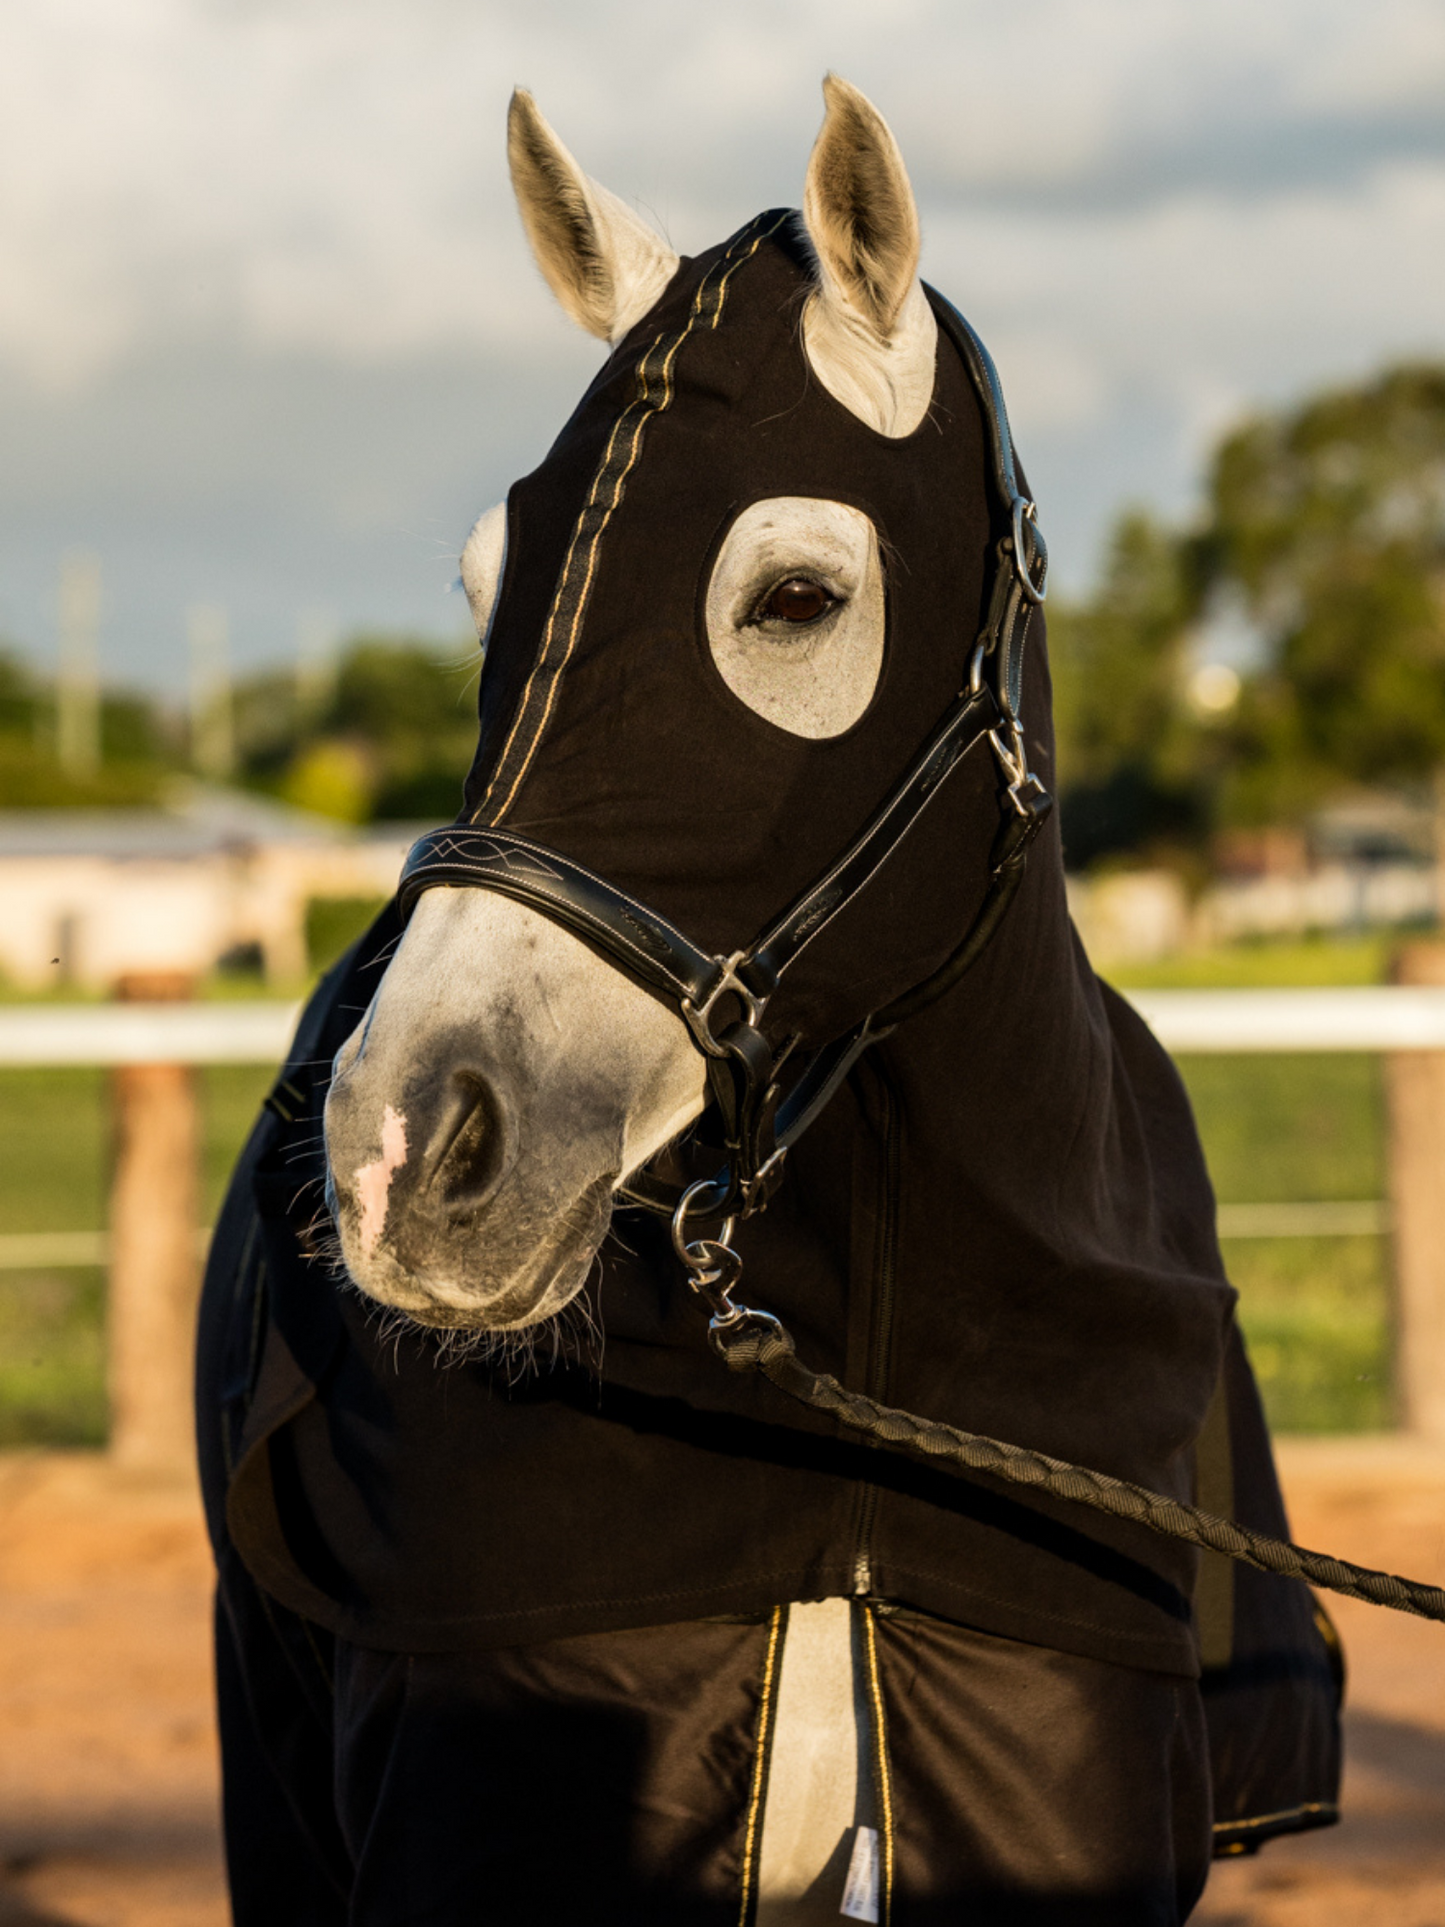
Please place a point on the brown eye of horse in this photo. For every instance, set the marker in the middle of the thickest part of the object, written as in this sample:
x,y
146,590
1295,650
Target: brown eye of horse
x,y
797,600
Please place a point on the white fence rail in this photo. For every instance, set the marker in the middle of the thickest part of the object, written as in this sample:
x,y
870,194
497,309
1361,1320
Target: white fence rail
x,y
1399,1018
1375,1018
39,1034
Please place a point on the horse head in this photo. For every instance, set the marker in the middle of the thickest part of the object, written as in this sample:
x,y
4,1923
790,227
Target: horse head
x,y
718,621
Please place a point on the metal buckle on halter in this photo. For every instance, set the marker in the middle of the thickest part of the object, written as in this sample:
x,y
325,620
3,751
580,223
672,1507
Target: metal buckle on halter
x,y
759,1188
699,1016
1025,791
1024,788
1037,555
757,1191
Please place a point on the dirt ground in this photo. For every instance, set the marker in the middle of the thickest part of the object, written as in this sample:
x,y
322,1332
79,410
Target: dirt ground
x,y
108,1760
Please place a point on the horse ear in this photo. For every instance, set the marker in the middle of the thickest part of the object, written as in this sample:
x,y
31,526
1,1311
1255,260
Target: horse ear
x,y
602,261
868,328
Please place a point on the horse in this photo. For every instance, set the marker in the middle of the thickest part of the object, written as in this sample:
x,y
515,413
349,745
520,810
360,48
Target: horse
x,y
749,946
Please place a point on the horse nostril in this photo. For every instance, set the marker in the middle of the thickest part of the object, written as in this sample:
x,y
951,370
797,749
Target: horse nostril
x,y
468,1147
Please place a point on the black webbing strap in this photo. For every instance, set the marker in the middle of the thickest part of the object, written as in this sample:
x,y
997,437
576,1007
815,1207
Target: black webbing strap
x,y
810,1091
1022,568
765,1347
758,1120
644,943
965,723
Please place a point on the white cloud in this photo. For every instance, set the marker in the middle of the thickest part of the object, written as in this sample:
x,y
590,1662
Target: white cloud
x,y
1368,62
1158,212
328,175
1199,296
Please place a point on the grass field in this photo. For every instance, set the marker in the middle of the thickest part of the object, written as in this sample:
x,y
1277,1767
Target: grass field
x,y
1315,1311
1299,1129
1276,1130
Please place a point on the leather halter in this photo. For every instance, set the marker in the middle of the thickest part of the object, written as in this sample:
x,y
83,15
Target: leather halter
x,y
724,999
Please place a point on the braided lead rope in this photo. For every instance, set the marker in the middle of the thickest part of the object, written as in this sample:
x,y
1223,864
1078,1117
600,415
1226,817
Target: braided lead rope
x,y
768,1349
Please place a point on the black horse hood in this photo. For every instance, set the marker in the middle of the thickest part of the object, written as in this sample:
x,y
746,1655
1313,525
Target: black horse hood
x,y
1001,1219
608,733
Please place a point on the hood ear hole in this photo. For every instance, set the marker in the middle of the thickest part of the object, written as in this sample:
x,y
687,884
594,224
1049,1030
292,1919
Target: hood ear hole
x,y
868,330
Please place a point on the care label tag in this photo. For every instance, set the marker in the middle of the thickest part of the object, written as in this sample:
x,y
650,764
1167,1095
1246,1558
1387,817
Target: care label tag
x,y
860,1894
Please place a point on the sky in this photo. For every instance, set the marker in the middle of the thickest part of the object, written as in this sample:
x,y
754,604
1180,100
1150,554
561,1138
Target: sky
x,y
270,337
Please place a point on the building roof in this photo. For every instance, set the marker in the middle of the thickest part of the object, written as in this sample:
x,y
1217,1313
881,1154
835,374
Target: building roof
x,y
196,820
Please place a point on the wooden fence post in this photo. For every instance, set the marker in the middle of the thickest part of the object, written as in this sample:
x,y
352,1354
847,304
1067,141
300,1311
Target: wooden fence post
x,y
1416,1085
151,1306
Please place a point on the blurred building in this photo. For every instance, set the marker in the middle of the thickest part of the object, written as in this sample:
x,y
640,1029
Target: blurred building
x,y
1130,916
218,876
1370,862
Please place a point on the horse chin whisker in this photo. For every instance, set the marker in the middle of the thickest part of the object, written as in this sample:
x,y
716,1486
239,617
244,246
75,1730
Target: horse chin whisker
x,y
621,1242
571,1337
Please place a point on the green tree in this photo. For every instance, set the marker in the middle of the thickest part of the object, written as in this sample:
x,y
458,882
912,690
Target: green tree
x,y
133,756
1329,520
19,698
1133,768
393,737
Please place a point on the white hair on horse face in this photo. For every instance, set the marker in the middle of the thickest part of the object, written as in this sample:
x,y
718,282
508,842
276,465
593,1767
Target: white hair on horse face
x,y
868,330
604,263
532,1077
483,560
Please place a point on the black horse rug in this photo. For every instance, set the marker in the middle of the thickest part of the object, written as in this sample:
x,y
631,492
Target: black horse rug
x,y
500,1645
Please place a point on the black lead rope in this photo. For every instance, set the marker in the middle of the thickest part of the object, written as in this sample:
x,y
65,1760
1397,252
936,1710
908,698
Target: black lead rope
x,y
761,1345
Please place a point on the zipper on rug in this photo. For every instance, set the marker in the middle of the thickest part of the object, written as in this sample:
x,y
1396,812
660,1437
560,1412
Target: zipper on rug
x,y
880,1323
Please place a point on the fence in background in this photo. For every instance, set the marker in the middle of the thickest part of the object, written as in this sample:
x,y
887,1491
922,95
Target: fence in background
x,y
146,1033
152,1247
1386,1018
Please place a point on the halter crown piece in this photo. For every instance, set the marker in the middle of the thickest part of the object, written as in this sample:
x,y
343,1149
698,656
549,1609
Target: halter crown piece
x,y
724,999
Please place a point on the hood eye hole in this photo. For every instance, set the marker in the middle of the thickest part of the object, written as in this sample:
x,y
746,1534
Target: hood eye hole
x,y
798,600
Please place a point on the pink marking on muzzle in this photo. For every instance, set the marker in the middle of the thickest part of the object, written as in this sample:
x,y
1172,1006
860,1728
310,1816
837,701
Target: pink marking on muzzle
x,y
373,1181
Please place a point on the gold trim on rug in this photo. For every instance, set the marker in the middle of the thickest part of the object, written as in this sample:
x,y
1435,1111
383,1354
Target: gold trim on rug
x,y
761,1748
884,1777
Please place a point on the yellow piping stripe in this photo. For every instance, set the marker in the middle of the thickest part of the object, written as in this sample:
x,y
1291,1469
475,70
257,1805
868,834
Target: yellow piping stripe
x,y
880,1748
722,291
760,1759
645,409
1273,1819
521,715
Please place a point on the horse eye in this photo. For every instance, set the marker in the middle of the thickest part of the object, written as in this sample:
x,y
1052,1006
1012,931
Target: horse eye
x,y
796,600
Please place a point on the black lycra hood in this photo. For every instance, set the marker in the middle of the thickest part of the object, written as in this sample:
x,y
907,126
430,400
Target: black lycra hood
x,y
608,733
1001,1220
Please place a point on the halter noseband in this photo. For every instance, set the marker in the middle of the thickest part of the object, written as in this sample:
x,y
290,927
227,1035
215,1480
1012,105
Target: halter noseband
x,y
724,999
